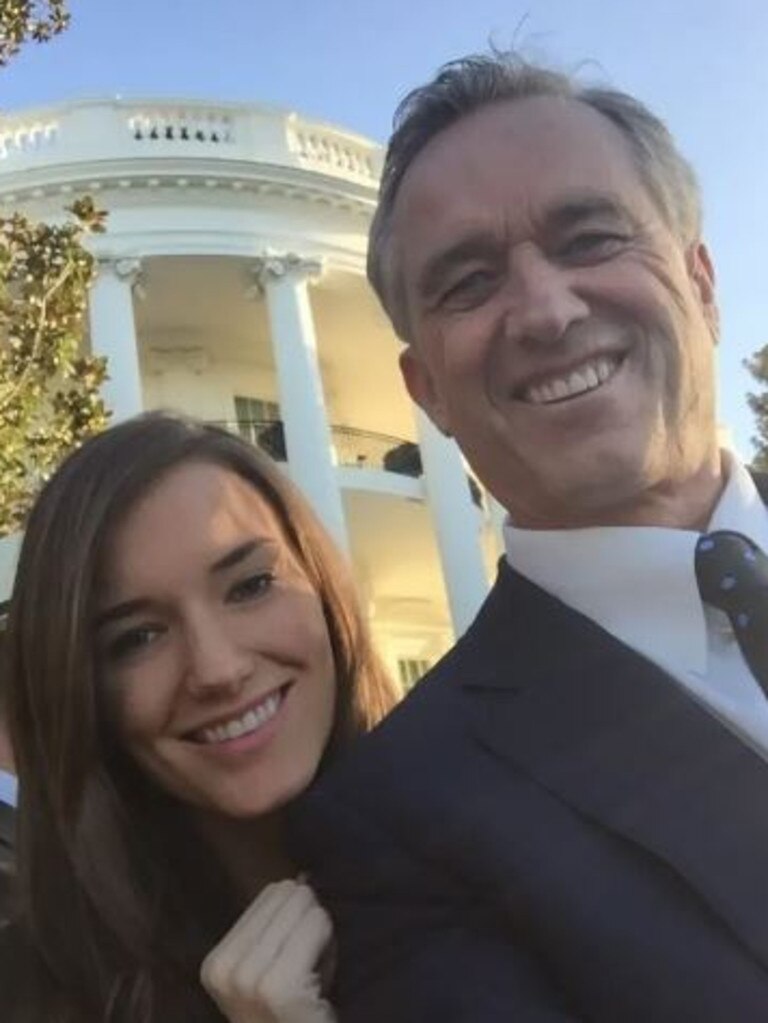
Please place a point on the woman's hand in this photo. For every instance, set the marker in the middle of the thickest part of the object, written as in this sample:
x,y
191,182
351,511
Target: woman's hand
x,y
264,969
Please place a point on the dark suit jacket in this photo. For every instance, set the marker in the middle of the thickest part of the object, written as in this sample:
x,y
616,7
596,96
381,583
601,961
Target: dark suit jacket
x,y
547,828
7,818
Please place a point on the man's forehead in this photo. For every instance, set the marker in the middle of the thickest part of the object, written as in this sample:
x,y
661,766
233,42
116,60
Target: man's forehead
x,y
533,141
503,170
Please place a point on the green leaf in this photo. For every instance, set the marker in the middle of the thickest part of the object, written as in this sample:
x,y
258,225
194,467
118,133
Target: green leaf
x,y
49,387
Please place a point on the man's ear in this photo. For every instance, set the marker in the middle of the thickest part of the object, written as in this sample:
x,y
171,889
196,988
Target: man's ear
x,y
702,272
421,387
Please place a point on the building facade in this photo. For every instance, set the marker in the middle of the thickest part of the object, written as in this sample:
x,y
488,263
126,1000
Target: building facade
x,y
231,287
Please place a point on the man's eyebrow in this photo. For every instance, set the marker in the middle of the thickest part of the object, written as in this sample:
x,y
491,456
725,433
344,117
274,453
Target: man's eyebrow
x,y
578,208
563,215
130,607
473,246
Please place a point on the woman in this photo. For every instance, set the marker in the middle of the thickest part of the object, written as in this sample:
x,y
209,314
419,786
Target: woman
x,y
184,653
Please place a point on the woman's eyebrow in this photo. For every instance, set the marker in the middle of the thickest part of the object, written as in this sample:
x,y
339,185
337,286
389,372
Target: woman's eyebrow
x,y
130,607
238,554
118,611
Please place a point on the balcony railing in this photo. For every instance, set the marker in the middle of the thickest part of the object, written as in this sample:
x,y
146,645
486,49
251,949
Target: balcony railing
x,y
362,449
119,129
358,449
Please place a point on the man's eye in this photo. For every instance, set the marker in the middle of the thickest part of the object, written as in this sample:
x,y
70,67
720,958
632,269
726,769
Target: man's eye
x,y
470,289
253,586
132,641
595,245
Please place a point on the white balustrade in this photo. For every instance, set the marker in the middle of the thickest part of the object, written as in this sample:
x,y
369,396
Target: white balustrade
x,y
332,151
117,129
27,137
195,125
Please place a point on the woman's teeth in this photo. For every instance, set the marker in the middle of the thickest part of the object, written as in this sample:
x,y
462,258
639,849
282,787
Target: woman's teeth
x,y
251,721
590,376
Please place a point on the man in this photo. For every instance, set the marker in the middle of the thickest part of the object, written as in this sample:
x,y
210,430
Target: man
x,y
7,806
566,819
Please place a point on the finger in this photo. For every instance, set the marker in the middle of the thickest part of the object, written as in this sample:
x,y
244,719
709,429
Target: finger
x,y
293,972
264,908
248,975
282,924
221,961
249,925
241,959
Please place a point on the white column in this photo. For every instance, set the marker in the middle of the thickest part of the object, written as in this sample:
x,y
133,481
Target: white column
x,y
497,517
457,523
284,280
9,553
113,334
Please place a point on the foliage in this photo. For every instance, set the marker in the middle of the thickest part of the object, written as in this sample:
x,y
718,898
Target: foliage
x,y
24,20
758,367
49,391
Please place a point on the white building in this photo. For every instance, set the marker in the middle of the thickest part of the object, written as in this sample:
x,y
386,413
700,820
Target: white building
x,y
231,286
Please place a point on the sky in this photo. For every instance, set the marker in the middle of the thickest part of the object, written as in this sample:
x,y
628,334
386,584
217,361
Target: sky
x,y
700,64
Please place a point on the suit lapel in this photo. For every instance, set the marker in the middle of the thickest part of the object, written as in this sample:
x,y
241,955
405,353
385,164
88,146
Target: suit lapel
x,y
623,744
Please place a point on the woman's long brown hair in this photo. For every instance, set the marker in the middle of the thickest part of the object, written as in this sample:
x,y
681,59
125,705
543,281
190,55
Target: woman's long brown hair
x,y
119,902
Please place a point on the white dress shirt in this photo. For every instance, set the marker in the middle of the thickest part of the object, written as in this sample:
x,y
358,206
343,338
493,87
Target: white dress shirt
x,y
639,584
8,788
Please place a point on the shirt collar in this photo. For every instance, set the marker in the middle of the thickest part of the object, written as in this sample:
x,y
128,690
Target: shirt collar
x,y
639,583
741,507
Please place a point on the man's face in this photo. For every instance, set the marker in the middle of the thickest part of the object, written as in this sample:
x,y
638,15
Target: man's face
x,y
560,331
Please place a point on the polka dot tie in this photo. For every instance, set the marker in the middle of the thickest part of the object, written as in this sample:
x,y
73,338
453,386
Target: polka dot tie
x,y
732,573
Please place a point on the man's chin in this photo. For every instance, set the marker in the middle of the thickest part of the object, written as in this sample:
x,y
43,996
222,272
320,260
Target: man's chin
x,y
582,489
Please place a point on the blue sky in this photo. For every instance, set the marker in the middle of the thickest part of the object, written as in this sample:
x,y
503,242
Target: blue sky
x,y
701,64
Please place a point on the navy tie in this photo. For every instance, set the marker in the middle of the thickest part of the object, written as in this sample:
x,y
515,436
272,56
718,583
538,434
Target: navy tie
x,y
732,573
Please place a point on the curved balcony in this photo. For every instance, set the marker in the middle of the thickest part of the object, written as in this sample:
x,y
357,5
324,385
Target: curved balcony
x,y
226,137
353,448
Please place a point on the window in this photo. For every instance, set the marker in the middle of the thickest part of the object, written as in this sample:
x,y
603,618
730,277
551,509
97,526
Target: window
x,y
258,421
411,669
253,414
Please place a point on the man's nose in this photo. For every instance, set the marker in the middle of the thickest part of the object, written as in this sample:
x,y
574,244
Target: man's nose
x,y
215,660
542,301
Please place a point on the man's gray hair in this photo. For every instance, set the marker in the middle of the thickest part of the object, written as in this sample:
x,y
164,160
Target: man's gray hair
x,y
464,86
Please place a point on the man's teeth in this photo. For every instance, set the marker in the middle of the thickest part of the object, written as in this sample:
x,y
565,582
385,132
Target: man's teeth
x,y
587,378
249,722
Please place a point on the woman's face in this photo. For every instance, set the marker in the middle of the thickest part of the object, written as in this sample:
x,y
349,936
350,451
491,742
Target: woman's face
x,y
213,646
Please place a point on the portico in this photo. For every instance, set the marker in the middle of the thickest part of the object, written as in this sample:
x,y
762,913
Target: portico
x,y
231,287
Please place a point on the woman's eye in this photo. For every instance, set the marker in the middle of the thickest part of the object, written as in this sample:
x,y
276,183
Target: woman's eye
x,y
253,586
132,641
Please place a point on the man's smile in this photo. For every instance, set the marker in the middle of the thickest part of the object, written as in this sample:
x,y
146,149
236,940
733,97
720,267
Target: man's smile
x,y
562,385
